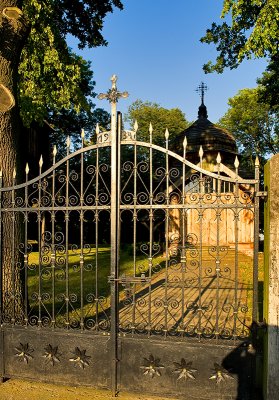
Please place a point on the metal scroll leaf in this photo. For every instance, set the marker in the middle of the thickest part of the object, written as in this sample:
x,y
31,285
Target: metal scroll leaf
x,y
51,355
80,358
151,366
220,374
23,352
184,370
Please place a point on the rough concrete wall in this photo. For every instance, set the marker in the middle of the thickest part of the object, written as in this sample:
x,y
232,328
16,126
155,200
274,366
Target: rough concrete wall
x,y
271,289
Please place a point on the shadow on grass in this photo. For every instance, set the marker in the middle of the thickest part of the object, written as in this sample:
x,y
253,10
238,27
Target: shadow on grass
x,y
92,281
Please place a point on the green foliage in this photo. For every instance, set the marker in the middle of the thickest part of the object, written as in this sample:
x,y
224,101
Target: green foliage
x,y
269,84
253,32
69,123
253,123
51,76
161,119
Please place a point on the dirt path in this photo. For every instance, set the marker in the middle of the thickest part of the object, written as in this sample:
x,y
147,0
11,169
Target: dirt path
x,y
15,389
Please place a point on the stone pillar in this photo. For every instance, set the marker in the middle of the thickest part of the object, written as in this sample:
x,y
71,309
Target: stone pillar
x,y
271,280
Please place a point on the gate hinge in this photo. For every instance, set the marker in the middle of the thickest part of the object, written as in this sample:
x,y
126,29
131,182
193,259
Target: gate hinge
x,y
262,325
262,195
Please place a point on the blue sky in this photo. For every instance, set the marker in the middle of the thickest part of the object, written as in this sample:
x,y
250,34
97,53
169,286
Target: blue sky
x,y
154,49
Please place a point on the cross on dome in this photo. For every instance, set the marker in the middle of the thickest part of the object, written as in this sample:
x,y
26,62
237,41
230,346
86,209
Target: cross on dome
x,y
201,89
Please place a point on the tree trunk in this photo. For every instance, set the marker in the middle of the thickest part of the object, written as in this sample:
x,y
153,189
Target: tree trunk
x,y
14,31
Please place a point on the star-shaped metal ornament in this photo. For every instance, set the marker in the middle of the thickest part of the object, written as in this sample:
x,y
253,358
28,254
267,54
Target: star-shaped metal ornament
x,y
152,366
80,358
24,352
220,374
184,370
51,355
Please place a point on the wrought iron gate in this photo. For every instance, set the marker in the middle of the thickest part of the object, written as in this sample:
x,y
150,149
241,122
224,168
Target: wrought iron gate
x,y
128,267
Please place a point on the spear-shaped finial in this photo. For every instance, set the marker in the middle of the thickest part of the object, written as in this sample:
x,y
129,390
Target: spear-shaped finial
x,y
150,128
27,169
136,127
54,151
184,147
68,141
201,152
218,158
167,134
236,162
41,162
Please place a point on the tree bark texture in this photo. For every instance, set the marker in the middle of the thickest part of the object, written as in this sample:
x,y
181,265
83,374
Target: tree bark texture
x,y
14,32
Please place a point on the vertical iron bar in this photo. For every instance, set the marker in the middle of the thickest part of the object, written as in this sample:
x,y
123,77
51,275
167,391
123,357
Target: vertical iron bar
x,y
67,235
114,256
254,325
40,252
183,250
13,252
26,251
150,260
167,240
200,215
81,241
2,353
134,234
256,242
218,217
97,237
236,229
53,249
113,95
1,275
199,332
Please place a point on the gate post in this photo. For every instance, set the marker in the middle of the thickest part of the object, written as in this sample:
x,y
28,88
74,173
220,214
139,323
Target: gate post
x,y
113,95
271,280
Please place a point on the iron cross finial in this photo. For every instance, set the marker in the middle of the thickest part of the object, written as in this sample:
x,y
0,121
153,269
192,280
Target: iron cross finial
x,y
113,81
201,89
113,94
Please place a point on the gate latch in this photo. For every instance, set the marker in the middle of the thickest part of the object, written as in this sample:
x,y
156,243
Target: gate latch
x,y
262,195
127,281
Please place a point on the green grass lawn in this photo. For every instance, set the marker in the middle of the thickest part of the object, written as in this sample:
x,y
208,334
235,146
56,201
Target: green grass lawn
x,y
66,278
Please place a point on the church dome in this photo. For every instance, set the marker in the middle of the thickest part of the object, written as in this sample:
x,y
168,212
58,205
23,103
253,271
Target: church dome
x,y
212,138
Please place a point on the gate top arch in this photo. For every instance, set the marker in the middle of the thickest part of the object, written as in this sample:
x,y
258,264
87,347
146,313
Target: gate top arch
x,y
129,137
